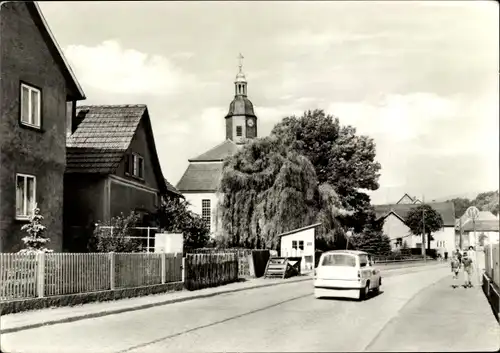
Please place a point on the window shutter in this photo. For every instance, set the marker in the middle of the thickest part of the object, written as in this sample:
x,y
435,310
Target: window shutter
x,y
128,163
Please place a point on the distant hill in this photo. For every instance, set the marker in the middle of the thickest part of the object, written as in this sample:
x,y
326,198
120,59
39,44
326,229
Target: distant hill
x,y
466,195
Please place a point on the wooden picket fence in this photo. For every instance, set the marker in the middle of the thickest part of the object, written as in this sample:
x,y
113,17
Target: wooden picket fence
x,y
25,276
241,253
210,270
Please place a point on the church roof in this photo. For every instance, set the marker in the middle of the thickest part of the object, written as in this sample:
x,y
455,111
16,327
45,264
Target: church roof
x,y
240,105
445,209
201,177
217,153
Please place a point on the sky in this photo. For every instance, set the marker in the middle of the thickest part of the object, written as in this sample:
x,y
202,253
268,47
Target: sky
x,y
420,78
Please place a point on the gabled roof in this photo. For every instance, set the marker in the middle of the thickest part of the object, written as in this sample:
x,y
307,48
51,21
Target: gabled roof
x,y
406,196
445,209
36,12
217,153
482,216
203,177
103,136
489,225
395,215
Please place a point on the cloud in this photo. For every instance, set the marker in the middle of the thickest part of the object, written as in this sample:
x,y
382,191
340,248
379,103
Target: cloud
x,y
111,68
395,117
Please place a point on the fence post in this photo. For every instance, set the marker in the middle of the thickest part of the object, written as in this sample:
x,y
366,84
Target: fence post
x,y
183,269
112,270
41,274
147,246
163,267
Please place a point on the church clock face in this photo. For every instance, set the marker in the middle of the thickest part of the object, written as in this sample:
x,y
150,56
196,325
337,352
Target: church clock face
x,y
250,122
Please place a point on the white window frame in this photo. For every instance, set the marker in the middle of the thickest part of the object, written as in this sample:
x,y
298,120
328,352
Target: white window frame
x,y
29,122
135,165
206,215
26,213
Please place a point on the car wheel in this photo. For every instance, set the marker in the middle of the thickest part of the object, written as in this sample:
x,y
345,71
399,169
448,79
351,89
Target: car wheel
x,y
363,292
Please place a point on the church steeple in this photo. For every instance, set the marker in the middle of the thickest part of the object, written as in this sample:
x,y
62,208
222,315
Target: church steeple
x,y
240,84
241,122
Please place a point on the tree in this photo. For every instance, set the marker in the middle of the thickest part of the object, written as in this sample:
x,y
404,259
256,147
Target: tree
x,y
267,189
36,241
485,201
424,215
461,205
371,239
174,216
340,158
488,201
114,235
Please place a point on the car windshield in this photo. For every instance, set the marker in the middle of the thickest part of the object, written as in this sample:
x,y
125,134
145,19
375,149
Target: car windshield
x,y
339,260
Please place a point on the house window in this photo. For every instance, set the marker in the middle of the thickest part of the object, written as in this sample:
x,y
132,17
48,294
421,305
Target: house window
x,y
301,244
399,242
239,131
30,105
25,195
137,166
205,211
294,244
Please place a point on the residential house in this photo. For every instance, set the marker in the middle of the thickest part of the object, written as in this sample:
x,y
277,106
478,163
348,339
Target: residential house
x,y
112,168
200,181
395,227
36,85
484,230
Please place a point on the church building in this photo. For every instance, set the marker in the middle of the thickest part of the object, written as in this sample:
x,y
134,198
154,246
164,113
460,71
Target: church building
x,y
200,181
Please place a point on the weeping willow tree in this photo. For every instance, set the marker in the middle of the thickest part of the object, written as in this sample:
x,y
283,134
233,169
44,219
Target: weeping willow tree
x,y
267,189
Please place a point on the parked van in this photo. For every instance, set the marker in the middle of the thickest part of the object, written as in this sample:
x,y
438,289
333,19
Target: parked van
x,y
346,273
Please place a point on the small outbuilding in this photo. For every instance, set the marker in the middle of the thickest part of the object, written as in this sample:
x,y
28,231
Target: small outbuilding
x,y
300,242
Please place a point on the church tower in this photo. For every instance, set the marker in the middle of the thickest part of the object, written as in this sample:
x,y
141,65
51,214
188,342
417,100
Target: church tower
x,y
241,121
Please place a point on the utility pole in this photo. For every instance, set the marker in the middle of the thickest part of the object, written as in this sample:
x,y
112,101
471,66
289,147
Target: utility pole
x,y
423,229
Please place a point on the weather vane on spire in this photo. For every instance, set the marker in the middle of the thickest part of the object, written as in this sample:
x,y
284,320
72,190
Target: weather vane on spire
x,y
240,58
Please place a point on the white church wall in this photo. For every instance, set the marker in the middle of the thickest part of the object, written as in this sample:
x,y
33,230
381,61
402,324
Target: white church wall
x,y
195,200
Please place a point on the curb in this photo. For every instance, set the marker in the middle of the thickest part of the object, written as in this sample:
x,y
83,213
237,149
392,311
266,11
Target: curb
x,y
151,305
144,306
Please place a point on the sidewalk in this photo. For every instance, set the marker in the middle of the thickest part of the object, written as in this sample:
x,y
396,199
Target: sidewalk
x,y
442,319
51,316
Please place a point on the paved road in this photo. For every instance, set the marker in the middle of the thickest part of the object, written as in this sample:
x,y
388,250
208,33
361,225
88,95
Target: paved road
x,y
281,318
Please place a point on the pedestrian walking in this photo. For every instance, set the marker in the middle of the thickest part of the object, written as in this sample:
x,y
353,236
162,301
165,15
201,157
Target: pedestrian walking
x,y
446,256
455,269
467,264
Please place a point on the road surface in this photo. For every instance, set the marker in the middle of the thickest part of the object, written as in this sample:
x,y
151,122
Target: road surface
x,y
273,319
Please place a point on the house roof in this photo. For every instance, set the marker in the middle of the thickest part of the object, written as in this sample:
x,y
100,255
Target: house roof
x,y
217,153
37,12
482,216
445,209
299,229
172,188
412,200
103,136
201,177
490,225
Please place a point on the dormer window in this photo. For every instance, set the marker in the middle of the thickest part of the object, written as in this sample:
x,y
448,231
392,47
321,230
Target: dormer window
x,y
239,131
